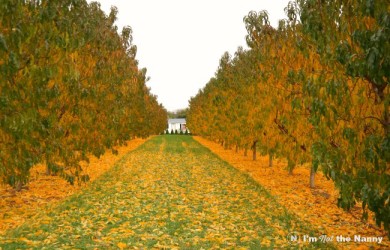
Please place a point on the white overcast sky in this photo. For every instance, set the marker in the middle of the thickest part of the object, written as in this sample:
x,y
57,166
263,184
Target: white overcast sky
x,y
180,42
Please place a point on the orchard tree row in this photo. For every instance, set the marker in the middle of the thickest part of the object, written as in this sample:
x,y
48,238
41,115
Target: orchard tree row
x,y
69,86
313,90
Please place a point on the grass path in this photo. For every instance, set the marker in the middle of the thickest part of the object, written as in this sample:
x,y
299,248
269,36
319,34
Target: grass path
x,y
169,193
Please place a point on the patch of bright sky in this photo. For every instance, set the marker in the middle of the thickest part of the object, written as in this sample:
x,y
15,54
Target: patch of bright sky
x,y
180,42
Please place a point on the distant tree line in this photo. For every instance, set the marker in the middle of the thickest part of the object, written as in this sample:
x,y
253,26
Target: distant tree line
x,y
180,113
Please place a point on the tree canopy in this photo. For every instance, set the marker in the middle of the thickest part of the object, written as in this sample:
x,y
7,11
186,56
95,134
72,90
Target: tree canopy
x,y
312,90
70,86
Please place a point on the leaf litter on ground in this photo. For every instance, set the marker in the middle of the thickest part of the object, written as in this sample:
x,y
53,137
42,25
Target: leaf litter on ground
x,y
317,206
165,194
44,190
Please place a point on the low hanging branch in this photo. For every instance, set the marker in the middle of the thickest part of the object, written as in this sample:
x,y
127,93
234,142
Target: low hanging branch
x,y
284,130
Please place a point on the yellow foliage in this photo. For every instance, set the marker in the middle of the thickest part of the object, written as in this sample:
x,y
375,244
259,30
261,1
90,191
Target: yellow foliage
x,y
121,245
16,207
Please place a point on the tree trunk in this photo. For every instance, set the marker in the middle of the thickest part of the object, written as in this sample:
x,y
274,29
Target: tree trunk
x,y
237,148
246,151
48,172
312,177
47,158
254,150
270,160
18,186
290,166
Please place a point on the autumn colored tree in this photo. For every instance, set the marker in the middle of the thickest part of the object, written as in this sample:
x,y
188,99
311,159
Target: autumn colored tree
x,y
351,109
70,86
313,90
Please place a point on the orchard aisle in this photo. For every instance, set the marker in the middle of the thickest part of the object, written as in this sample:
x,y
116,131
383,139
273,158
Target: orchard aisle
x,y
169,193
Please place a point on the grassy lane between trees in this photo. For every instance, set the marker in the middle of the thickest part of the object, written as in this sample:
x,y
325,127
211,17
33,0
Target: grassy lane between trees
x,y
169,193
